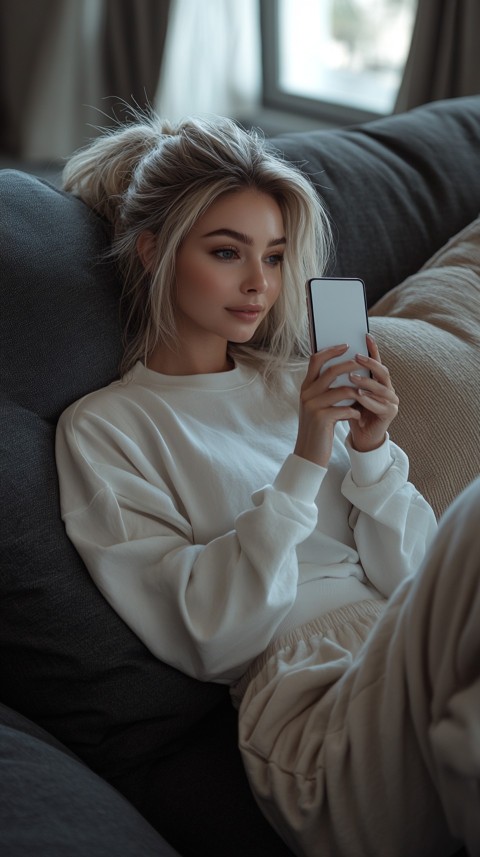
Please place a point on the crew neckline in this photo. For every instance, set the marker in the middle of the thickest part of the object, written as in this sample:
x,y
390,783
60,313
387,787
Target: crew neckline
x,y
239,376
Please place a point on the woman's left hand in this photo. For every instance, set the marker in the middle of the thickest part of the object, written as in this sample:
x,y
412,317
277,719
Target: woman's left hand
x,y
376,401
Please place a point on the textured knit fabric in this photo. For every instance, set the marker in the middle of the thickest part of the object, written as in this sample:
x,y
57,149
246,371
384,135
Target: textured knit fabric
x,y
206,533
428,332
360,734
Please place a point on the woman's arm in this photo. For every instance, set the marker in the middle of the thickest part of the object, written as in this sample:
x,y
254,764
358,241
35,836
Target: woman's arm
x,y
392,523
205,609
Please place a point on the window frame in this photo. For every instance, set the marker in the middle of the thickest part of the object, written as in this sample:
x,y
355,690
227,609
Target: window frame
x,y
273,97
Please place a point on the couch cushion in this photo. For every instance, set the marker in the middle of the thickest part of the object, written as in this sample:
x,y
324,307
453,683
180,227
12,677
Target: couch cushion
x,y
396,188
51,805
430,341
60,326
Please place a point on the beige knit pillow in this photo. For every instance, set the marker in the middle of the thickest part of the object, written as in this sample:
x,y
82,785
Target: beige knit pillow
x,y
428,332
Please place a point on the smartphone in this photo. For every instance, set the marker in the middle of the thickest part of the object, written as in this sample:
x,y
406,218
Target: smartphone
x,y
337,312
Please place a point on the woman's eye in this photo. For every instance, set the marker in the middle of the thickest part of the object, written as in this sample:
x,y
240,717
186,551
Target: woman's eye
x,y
226,253
275,259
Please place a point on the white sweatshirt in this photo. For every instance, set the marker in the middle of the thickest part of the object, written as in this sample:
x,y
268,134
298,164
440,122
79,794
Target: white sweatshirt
x,y
207,535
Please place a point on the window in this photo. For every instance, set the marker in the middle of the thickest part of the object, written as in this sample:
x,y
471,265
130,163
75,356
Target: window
x,y
340,60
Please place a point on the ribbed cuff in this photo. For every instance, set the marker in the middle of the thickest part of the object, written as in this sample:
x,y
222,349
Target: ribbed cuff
x,y
300,478
369,467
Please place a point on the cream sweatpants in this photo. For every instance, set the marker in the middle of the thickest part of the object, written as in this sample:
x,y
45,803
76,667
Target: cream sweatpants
x,y
360,733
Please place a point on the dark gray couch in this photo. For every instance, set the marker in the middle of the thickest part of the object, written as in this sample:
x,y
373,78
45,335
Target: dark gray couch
x,y
396,190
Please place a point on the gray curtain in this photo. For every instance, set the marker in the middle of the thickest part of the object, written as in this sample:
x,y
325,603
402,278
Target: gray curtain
x,y
66,64
132,46
444,60
21,26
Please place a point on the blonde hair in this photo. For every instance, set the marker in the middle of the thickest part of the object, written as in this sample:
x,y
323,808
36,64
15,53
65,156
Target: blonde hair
x,y
152,176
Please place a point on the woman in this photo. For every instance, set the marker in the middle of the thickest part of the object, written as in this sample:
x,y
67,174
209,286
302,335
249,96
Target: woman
x,y
249,528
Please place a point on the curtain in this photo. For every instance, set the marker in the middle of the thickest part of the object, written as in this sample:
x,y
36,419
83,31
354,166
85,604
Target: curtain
x,y
443,59
66,64
20,53
132,46
212,62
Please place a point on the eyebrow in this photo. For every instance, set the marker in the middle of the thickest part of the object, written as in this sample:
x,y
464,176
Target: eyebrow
x,y
244,239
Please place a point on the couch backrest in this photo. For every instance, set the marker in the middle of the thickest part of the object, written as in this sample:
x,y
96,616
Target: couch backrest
x,y
396,188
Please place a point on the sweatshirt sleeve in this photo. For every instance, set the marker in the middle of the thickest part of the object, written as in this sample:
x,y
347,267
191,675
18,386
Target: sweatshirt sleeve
x,y
392,522
204,609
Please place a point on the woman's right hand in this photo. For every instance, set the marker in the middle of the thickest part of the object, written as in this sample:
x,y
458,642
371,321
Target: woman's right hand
x,y
319,409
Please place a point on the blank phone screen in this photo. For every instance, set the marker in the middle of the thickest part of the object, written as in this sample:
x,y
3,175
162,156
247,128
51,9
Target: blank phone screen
x,y
338,314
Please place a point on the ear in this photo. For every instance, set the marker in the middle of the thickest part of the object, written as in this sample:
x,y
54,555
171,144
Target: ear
x,y
146,246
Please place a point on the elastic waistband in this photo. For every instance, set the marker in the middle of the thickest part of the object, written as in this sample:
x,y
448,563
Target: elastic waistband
x,y
369,609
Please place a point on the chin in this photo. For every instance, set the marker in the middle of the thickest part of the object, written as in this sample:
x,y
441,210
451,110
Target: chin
x,y
248,338
242,340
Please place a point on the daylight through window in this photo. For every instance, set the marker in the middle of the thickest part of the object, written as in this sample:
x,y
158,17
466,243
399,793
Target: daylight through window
x,y
346,52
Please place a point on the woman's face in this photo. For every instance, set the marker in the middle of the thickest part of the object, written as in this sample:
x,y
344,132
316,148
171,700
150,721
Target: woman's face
x,y
229,270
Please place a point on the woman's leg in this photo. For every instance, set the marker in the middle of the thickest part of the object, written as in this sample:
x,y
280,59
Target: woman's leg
x,y
378,752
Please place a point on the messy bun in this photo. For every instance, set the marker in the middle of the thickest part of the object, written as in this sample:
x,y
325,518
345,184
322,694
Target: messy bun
x,y
152,176
101,173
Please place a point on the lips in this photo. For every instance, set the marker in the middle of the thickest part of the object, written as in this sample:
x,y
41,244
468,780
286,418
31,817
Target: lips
x,y
249,312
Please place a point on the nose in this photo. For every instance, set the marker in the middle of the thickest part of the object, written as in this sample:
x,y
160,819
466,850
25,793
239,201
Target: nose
x,y
255,279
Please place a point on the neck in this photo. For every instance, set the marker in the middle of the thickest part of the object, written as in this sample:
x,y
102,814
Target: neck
x,y
186,362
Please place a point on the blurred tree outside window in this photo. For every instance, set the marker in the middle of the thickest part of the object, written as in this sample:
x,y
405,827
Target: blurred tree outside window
x,y
340,55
